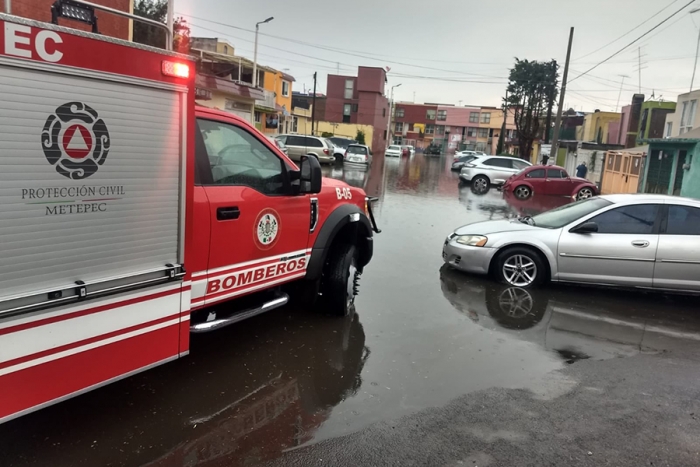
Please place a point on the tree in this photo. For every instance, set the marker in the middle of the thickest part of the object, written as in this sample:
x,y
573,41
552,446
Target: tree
x,y
157,10
532,86
360,137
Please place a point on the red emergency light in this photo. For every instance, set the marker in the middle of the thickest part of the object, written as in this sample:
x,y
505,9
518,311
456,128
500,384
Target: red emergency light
x,y
175,69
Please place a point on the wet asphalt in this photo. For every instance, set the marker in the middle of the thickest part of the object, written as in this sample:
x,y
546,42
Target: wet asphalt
x,y
436,367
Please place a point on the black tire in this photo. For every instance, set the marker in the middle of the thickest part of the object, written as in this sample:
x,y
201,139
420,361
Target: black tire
x,y
340,276
524,265
304,294
481,184
522,192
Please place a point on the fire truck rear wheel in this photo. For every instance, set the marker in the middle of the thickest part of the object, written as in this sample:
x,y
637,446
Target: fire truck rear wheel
x,y
340,280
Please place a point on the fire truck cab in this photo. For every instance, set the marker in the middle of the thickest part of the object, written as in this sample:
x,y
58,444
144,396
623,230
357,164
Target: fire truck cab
x,y
130,217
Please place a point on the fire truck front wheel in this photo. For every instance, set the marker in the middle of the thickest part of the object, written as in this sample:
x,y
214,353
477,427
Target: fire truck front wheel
x,y
340,280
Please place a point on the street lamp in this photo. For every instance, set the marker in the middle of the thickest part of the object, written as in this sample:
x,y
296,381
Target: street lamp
x,y
255,52
391,113
697,48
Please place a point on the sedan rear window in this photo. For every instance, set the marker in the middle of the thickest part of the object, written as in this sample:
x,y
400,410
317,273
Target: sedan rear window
x,y
357,150
564,215
398,148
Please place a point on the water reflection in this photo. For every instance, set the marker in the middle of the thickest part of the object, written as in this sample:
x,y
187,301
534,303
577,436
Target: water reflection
x,y
242,397
567,322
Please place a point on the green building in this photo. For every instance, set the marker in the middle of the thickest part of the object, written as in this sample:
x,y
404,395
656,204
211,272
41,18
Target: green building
x,y
673,166
652,118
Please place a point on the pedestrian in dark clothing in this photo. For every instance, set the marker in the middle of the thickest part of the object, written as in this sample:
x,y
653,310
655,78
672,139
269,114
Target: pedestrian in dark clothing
x,y
581,170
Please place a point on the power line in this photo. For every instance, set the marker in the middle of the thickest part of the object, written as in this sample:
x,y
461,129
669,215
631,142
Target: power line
x,y
628,32
634,41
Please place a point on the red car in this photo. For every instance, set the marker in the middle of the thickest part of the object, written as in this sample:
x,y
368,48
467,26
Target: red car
x,y
548,180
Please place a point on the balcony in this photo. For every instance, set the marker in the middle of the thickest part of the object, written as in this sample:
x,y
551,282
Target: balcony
x,y
267,103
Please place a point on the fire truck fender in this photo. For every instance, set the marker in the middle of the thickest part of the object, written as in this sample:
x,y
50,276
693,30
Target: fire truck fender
x,y
346,224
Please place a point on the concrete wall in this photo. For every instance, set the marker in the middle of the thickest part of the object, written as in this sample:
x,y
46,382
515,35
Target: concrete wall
x,y
691,177
344,130
371,79
108,24
597,122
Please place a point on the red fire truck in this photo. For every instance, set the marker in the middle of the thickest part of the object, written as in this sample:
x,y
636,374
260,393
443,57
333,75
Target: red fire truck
x,y
128,215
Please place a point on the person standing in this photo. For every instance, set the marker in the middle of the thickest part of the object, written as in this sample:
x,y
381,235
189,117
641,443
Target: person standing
x,y
582,170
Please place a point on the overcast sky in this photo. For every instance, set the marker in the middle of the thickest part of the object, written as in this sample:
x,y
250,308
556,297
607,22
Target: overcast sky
x,y
449,51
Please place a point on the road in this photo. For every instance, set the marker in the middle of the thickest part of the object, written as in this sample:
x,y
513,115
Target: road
x,y
437,368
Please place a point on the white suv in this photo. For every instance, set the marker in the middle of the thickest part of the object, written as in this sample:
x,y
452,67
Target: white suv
x,y
484,171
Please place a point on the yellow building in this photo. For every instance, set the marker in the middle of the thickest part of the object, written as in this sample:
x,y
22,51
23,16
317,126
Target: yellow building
x,y
345,130
595,126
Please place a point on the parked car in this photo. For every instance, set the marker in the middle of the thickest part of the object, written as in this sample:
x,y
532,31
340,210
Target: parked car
x,y
459,154
342,142
393,151
301,145
626,240
460,161
338,151
548,180
358,154
278,143
484,171
433,149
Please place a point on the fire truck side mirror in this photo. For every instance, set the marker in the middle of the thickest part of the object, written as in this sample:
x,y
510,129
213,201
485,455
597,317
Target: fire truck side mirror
x,y
310,175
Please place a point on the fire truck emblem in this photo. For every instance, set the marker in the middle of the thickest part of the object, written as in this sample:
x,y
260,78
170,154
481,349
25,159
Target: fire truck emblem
x,y
75,140
267,228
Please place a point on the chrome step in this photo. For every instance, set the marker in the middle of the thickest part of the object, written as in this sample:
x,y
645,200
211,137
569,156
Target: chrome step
x,y
208,326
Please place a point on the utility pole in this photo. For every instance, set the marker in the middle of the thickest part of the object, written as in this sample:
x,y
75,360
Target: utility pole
x,y
502,136
255,51
550,106
620,93
639,52
390,131
697,49
313,107
562,94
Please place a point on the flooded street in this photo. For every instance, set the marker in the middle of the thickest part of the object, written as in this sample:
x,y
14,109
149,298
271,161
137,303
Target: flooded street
x,y
436,368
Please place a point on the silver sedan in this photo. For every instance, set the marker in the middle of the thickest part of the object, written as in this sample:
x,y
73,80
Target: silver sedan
x,y
631,240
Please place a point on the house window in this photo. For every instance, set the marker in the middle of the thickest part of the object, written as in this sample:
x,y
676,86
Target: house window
x,y
399,127
481,147
383,112
430,115
669,128
400,113
483,133
471,131
474,117
429,129
486,117
354,108
258,117
347,108
295,124
442,115
349,87
440,130
285,88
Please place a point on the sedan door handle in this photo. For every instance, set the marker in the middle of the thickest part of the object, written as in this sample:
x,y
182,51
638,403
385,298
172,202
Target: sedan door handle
x,y
640,243
228,213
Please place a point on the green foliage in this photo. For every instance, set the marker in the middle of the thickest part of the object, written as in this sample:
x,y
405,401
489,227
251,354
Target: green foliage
x,y
532,85
326,134
157,10
360,137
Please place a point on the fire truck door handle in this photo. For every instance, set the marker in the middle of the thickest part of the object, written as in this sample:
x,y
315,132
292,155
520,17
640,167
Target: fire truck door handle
x,y
228,213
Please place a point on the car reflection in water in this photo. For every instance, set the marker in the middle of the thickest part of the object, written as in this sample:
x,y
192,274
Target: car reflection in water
x,y
244,396
572,324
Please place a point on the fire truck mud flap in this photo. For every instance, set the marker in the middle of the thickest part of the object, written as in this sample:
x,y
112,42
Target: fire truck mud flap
x,y
346,223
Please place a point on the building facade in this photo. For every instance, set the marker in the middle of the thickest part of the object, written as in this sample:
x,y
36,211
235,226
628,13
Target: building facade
x,y
596,126
685,116
360,100
109,24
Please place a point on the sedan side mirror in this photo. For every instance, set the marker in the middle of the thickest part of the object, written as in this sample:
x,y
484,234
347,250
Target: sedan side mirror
x,y
586,227
310,175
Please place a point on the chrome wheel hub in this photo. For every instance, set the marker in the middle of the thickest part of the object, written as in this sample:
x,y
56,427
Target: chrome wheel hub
x,y
519,270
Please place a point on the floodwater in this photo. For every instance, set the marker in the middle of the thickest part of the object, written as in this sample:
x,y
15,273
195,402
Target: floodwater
x,y
422,336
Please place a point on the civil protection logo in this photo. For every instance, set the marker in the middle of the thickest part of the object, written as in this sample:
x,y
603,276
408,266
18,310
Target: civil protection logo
x,y
267,229
75,140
